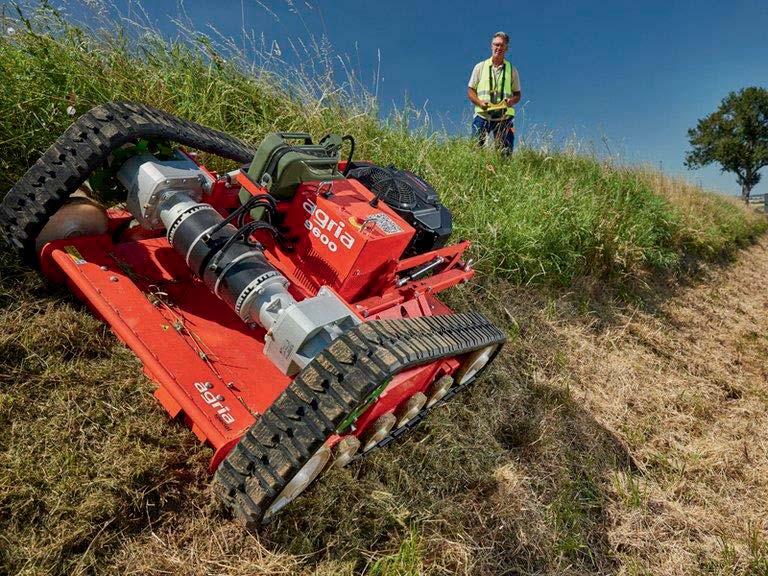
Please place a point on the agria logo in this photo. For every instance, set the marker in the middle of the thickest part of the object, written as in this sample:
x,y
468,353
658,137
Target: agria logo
x,y
325,228
222,410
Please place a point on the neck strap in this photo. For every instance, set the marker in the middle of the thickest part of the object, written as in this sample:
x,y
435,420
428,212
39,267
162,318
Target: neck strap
x,y
491,78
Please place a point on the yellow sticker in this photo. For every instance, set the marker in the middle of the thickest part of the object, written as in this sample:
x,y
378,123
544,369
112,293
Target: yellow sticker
x,y
75,255
355,222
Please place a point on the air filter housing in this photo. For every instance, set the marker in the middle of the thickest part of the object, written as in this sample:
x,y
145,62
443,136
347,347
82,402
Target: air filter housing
x,y
413,199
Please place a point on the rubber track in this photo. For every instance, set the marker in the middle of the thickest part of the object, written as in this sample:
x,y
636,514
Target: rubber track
x,y
329,388
84,147
416,420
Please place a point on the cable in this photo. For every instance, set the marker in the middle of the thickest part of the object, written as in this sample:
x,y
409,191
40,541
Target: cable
x,y
351,153
245,233
259,201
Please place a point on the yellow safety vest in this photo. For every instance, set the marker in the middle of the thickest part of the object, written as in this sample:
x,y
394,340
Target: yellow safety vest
x,y
488,90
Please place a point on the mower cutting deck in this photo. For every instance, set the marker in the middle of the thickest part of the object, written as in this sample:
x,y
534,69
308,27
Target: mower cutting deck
x,y
286,310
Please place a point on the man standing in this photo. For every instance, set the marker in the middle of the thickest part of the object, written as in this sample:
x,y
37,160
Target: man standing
x,y
494,88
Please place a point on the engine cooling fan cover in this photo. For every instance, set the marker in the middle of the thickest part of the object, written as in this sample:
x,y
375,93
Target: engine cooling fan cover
x,y
412,198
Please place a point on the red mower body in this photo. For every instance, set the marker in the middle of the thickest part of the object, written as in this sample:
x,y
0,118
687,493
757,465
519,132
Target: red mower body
x,y
209,366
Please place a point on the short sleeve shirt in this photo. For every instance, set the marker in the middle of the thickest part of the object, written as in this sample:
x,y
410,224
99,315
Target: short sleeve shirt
x,y
474,79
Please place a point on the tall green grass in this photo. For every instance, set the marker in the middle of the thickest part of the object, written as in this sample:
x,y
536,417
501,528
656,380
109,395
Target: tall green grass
x,y
535,217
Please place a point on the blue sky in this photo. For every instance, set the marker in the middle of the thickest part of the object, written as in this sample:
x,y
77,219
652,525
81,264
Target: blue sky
x,y
629,77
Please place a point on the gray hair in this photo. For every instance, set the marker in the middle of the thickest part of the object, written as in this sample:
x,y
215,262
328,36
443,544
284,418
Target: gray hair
x,y
503,35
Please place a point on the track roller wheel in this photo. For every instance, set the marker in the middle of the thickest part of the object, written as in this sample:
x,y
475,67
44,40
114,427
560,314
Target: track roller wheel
x,y
303,478
475,362
410,408
439,389
80,216
345,451
379,430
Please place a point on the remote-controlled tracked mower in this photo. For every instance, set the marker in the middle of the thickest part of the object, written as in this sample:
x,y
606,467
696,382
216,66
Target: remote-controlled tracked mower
x,y
286,310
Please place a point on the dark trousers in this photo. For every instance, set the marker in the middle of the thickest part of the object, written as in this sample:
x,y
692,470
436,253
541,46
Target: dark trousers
x,y
503,131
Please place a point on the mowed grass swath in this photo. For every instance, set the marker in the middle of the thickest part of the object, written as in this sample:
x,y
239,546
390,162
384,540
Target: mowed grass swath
x,y
520,477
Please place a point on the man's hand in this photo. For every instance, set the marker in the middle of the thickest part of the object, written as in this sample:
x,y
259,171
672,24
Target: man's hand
x,y
516,96
472,95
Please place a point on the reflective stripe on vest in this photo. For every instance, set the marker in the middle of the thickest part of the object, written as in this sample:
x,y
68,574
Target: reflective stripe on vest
x,y
486,80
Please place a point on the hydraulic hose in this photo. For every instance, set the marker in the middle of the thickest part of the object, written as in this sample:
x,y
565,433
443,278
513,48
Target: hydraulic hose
x,y
234,268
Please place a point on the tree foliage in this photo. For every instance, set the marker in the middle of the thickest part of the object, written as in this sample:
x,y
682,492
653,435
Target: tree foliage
x,y
735,136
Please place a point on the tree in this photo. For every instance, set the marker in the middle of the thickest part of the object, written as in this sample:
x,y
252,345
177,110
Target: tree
x,y
735,136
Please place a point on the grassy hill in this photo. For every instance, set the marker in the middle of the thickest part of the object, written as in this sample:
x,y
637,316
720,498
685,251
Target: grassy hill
x,y
608,438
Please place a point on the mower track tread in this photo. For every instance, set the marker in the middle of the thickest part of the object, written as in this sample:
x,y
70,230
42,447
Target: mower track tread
x,y
84,147
326,391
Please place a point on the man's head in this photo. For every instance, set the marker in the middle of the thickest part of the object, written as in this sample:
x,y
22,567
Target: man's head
x,y
499,45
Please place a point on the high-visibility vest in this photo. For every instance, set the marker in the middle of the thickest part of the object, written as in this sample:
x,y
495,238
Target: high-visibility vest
x,y
490,90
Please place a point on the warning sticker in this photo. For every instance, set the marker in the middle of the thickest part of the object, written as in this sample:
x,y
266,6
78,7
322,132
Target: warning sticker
x,y
384,222
75,255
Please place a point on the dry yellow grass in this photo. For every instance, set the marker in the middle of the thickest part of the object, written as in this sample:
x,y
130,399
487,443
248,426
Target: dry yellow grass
x,y
683,381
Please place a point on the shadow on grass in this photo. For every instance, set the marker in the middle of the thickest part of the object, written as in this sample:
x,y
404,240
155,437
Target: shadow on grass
x,y
510,480
512,477
608,300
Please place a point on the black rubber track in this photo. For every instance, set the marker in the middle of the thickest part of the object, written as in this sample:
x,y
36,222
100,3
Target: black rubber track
x,y
416,420
329,388
85,147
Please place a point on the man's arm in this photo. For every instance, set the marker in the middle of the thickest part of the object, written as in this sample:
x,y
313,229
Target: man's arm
x,y
472,95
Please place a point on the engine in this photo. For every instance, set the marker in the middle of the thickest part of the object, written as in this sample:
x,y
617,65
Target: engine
x,y
413,199
342,241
